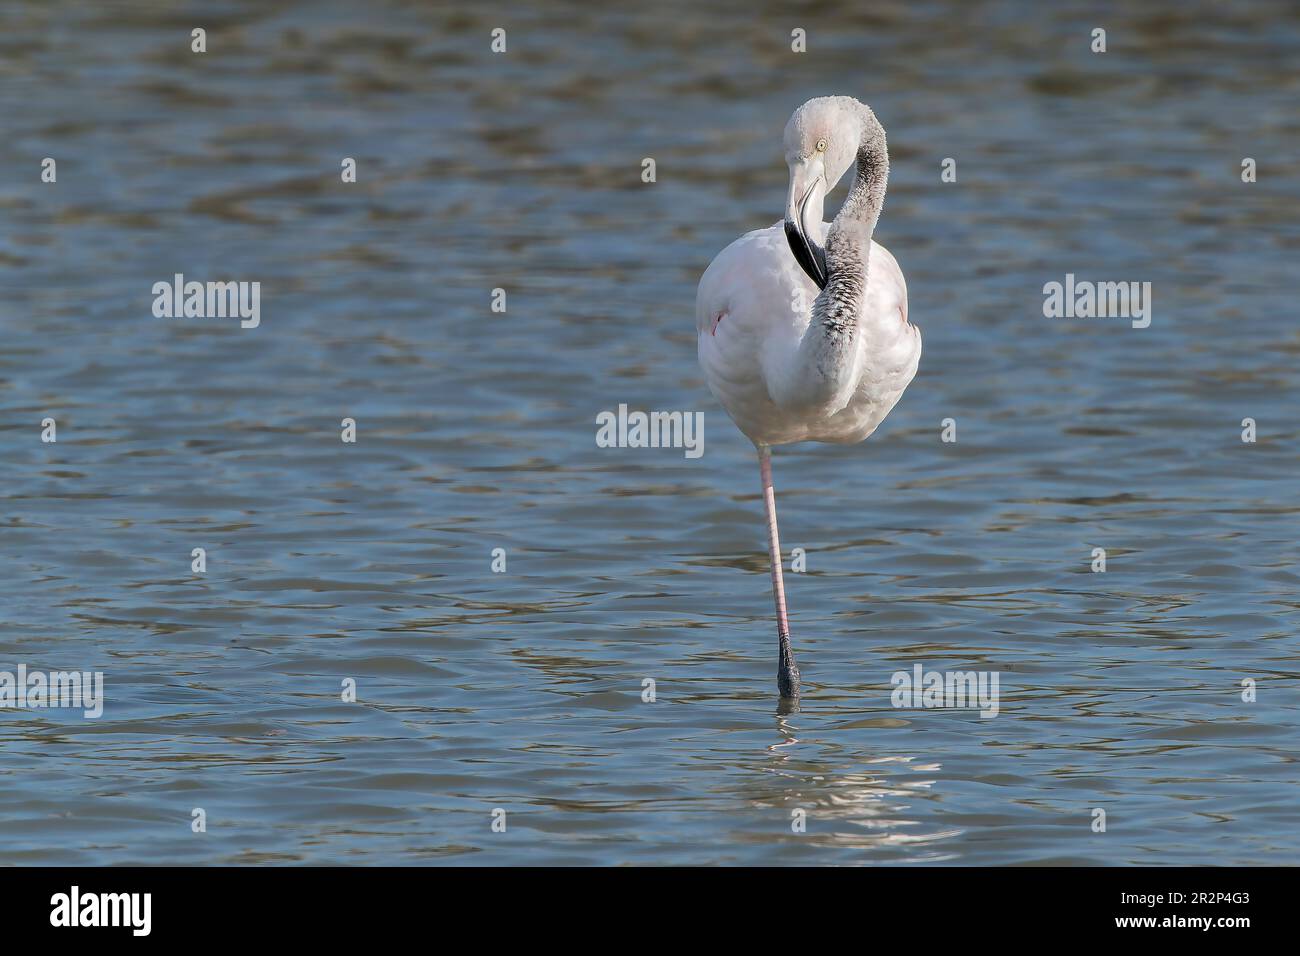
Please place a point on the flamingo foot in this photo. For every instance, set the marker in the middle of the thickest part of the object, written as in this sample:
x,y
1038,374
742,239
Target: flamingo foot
x,y
787,671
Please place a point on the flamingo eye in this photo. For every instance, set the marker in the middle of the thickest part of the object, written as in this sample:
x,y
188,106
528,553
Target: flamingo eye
x,y
821,145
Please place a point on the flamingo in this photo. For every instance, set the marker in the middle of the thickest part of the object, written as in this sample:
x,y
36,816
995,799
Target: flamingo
x,y
802,327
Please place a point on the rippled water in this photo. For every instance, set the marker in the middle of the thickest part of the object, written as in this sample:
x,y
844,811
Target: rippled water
x,y
521,690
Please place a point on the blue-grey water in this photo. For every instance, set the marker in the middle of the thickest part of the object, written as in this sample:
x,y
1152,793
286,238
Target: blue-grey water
x,y
522,690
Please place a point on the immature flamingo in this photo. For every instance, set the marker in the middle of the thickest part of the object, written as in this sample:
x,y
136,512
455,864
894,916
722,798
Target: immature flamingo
x,y
813,346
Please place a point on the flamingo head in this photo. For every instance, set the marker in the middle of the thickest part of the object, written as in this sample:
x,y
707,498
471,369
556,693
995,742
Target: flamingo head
x,y
821,143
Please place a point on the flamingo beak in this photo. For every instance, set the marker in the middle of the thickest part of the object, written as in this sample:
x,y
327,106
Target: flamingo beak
x,y
803,219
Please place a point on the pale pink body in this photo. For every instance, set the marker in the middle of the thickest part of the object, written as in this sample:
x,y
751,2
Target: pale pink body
x,y
765,301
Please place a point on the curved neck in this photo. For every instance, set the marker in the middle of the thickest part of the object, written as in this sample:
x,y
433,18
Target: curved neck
x,y
825,370
856,220
848,241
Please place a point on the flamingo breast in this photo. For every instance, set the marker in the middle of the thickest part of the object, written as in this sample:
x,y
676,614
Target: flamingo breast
x,y
752,309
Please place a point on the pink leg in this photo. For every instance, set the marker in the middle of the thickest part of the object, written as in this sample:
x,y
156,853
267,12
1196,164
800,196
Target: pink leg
x,y
787,671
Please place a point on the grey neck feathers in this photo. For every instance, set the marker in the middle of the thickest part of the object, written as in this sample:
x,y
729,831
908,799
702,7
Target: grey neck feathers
x,y
848,242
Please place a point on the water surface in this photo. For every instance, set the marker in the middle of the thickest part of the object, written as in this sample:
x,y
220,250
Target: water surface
x,y
522,690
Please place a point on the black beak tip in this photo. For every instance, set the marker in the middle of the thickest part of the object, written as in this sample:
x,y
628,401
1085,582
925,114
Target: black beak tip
x,y
805,254
793,236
